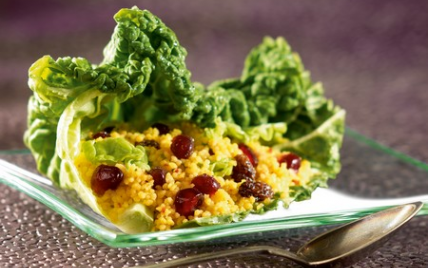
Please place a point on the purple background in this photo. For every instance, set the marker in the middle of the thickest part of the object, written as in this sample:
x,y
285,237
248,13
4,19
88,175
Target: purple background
x,y
371,56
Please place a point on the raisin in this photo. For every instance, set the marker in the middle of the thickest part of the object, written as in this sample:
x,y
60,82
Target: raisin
x,y
249,153
246,189
243,169
182,146
259,190
187,201
148,143
105,178
206,184
242,177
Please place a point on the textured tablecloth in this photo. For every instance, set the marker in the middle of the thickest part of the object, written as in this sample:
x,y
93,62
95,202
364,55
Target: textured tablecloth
x,y
371,57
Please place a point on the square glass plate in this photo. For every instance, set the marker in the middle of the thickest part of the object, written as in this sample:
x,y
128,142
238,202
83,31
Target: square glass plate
x,y
373,177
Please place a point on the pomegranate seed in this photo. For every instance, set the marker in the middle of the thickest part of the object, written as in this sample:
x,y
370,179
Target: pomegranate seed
x,y
243,169
182,146
292,160
259,190
187,201
162,128
206,184
158,175
249,153
103,134
106,178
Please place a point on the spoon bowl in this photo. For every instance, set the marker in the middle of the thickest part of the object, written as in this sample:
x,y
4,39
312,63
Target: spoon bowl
x,y
350,242
338,247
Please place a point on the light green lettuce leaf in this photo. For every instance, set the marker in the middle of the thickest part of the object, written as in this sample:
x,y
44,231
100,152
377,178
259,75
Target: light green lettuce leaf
x,y
321,146
234,217
215,220
114,150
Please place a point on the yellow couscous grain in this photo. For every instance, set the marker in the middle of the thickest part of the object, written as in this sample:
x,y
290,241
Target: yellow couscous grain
x,y
210,152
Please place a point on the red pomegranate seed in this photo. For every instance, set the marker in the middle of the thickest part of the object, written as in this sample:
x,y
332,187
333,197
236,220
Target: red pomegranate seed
x,y
187,201
106,178
158,175
206,184
182,146
292,160
162,128
249,153
243,169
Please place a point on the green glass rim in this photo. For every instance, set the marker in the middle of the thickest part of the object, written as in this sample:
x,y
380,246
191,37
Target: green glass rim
x,y
378,146
114,238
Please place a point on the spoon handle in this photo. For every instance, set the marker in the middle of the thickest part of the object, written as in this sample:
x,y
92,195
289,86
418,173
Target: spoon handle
x,y
224,253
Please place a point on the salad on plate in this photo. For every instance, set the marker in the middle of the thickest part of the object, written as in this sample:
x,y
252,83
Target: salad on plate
x,y
151,150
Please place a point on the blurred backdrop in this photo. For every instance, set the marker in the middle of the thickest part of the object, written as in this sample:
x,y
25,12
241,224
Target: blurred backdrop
x,y
372,56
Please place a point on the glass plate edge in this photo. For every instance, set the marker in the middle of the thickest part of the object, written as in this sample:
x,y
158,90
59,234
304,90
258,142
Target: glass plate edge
x,y
117,239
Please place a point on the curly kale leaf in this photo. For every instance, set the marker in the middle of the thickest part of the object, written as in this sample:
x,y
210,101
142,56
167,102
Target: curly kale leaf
x,y
275,88
143,72
144,48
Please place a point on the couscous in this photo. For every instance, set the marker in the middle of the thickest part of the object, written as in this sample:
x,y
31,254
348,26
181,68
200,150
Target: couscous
x,y
213,157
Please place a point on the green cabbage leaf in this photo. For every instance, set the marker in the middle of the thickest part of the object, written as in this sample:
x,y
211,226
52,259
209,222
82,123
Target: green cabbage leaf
x,y
143,72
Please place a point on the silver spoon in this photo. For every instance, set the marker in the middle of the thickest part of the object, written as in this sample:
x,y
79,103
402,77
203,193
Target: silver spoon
x,y
338,247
